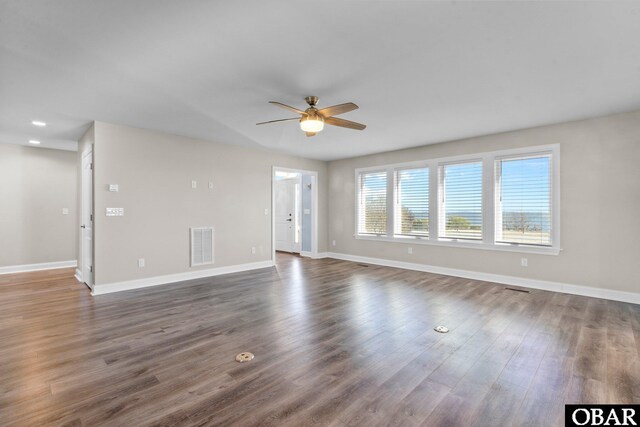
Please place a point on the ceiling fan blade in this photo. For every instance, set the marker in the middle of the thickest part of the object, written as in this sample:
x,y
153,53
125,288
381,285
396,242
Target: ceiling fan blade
x,y
344,123
334,110
310,133
275,121
287,107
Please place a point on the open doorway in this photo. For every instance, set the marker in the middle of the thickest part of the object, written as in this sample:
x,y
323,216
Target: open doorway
x,y
287,211
294,205
85,256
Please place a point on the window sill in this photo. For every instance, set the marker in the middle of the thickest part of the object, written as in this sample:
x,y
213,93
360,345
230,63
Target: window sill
x,y
504,247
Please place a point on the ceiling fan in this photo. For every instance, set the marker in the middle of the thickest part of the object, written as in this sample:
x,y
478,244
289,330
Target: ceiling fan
x,y
313,120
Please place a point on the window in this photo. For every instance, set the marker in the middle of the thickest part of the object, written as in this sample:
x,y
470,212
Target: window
x,y
523,200
461,201
412,202
372,204
503,200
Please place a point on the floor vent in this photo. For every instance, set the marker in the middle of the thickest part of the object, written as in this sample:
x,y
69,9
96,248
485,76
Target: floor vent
x,y
201,246
517,290
244,357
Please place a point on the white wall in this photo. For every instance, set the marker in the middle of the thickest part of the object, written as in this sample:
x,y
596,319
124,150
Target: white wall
x,y
35,185
600,206
154,171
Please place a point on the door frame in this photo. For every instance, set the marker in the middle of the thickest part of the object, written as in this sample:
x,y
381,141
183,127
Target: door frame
x,y
83,211
314,210
294,183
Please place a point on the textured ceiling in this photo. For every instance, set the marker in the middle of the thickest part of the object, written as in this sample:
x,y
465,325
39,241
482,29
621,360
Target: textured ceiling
x,y
422,72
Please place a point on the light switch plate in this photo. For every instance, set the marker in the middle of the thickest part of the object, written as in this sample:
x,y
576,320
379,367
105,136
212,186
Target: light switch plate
x,y
115,211
113,188
65,211
194,184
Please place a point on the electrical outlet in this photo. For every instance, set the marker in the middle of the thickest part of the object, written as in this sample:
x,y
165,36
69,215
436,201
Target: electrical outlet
x,y
333,243
253,250
266,212
141,262
409,250
524,262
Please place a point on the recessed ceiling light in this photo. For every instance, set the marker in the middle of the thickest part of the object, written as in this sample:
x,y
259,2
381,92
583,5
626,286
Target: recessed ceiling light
x,y
33,141
38,123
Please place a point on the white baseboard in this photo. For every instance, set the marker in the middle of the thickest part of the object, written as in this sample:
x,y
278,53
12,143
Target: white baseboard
x,y
317,255
37,267
108,288
565,288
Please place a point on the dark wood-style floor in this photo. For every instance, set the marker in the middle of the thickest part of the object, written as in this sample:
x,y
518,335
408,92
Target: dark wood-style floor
x,y
336,343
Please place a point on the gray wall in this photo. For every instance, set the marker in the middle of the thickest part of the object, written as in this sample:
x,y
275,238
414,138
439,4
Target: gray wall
x,y
600,201
154,171
600,205
35,185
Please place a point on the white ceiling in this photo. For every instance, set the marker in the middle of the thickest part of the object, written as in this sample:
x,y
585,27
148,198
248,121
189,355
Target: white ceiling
x,y
422,72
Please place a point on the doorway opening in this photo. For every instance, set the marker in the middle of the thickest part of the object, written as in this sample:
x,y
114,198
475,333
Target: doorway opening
x,y
85,271
294,208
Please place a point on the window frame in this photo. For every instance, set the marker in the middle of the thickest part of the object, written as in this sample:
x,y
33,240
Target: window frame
x,y
359,197
442,196
397,205
552,202
489,190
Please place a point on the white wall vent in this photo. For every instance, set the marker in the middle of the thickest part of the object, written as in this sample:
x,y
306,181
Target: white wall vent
x,y
201,246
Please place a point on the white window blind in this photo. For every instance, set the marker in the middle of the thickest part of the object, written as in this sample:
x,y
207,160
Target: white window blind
x,y
506,200
523,200
372,203
412,202
461,201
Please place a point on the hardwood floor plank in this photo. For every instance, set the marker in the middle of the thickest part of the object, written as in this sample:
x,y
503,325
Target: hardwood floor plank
x,y
336,343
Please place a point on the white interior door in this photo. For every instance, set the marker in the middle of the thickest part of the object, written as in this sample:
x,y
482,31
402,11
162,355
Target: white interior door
x,y
87,219
285,221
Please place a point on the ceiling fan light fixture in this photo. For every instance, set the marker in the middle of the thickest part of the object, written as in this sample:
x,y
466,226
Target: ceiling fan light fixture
x,y
312,123
313,120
